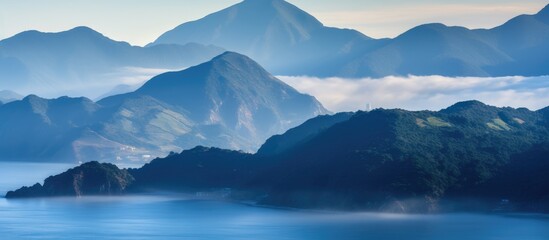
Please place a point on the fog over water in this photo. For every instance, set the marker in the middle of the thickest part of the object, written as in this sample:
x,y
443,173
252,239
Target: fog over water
x,y
177,217
173,218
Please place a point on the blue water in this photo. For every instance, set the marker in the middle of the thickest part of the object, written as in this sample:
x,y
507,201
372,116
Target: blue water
x,y
162,217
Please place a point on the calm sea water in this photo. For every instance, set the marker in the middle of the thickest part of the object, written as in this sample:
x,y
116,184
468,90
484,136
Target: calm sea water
x,y
148,217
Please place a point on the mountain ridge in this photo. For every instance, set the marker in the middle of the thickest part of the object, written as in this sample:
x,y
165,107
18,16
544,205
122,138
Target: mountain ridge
x,y
284,39
82,61
7,96
225,91
384,160
428,49
229,101
273,30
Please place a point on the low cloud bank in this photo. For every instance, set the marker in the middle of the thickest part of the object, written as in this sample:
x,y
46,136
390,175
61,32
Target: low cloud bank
x,y
423,92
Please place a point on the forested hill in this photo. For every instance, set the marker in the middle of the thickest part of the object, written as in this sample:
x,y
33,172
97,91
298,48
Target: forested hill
x,y
393,160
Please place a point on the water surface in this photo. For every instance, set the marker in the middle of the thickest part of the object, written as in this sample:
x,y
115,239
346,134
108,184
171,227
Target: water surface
x,y
171,217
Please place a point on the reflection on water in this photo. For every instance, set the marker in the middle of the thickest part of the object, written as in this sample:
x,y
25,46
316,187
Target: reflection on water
x,y
151,217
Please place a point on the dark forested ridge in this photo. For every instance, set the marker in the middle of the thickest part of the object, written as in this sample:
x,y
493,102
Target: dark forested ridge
x,y
91,178
393,160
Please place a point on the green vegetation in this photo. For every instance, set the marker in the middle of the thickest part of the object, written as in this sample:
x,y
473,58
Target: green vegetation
x,y
371,160
421,123
519,121
91,178
437,122
500,125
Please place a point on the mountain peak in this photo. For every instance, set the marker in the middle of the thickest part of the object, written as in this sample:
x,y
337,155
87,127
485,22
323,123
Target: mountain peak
x,y
84,29
430,28
85,32
234,90
262,1
235,59
466,105
544,12
238,27
282,37
433,25
76,30
273,8
229,67
229,97
257,4
32,97
230,56
75,34
473,109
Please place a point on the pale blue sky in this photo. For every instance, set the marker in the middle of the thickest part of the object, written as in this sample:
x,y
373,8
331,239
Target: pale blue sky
x,y
140,22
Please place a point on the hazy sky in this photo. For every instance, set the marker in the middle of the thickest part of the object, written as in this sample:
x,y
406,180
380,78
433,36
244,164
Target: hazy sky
x,y
140,22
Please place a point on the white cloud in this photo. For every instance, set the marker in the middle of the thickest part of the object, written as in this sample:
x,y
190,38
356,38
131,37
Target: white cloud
x,y
135,75
423,92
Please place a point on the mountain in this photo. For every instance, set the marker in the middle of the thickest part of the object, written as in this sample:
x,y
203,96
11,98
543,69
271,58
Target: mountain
x,y
401,155
91,178
432,49
524,38
234,102
82,61
281,143
38,127
229,102
469,156
7,96
280,36
119,89
518,47
289,41
196,169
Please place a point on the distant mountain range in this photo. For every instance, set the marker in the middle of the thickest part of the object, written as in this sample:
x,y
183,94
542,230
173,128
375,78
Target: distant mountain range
x,y
289,41
7,96
281,37
469,156
518,47
228,102
83,62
